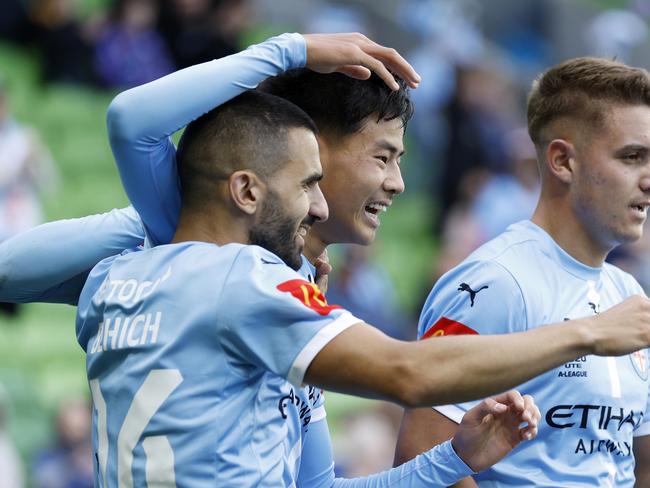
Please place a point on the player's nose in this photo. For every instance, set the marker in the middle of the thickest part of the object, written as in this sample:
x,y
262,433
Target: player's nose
x,y
394,183
318,205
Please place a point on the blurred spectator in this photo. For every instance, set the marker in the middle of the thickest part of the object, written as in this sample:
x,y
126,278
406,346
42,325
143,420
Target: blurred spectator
x,y
64,46
461,232
129,51
26,168
365,288
14,21
201,30
488,202
480,115
11,468
615,33
69,462
368,445
510,196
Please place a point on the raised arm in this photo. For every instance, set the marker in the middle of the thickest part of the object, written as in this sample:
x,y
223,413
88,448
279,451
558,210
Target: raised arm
x,y
49,263
462,368
141,120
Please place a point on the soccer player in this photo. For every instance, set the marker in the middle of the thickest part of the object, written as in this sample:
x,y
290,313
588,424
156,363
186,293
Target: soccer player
x,y
197,350
463,372
590,122
140,122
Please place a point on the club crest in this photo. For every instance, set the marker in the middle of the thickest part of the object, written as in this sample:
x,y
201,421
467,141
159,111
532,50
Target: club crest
x,y
639,360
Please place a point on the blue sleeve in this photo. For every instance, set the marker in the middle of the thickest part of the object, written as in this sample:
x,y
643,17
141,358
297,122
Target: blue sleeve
x,y
271,318
479,297
49,263
141,120
440,466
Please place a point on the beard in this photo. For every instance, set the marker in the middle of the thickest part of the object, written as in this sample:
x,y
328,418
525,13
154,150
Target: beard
x,y
275,231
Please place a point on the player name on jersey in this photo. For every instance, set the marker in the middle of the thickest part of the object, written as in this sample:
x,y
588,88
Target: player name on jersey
x,y
127,331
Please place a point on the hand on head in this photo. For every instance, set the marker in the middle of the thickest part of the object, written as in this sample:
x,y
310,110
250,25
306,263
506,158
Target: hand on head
x,y
355,55
493,428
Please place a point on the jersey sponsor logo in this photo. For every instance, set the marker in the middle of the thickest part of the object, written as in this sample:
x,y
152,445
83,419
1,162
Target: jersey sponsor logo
x,y
593,418
130,291
446,327
308,294
639,360
301,406
472,293
578,416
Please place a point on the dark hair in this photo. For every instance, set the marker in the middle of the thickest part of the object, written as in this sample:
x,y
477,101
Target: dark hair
x,y
581,88
248,132
340,104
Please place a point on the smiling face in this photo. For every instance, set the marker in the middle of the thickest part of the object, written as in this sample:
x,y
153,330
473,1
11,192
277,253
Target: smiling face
x,y
361,177
610,190
294,201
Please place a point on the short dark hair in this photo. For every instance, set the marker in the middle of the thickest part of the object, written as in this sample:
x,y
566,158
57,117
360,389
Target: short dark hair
x,y
248,132
581,88
340,104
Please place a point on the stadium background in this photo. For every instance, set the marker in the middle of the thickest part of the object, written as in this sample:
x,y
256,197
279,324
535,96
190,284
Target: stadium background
x,y
477,59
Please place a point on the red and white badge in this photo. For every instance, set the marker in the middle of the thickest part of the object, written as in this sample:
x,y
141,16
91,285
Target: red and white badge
x,y
640,362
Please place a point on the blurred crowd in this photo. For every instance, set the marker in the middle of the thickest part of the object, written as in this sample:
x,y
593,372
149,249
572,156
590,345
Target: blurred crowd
x,y
130,43
469,155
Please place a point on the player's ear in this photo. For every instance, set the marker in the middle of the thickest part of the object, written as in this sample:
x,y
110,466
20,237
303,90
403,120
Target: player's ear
x,y
560,160
246,190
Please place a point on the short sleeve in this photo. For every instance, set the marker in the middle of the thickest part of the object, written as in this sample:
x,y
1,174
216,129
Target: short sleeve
x,y
271,317
474,298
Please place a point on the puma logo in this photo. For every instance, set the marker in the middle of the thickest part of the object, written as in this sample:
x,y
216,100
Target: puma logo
x,y
472,293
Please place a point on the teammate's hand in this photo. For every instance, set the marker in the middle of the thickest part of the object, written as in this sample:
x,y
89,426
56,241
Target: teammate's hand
x,y
355,55
622,329
323,269
493,428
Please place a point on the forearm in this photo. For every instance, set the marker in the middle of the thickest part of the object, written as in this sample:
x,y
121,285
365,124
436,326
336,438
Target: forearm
x,y
438,467
465,368
49,262
141,120
443,370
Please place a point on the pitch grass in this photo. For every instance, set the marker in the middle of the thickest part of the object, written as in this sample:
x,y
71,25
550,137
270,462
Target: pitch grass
x,y
40,362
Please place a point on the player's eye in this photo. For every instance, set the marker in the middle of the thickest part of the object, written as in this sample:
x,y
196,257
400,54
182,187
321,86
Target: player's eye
x,y
383,159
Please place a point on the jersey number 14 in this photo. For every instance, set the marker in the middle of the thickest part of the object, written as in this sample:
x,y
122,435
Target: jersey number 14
x,y
157,387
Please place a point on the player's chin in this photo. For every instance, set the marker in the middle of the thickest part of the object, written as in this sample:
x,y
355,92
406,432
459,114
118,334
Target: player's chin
x,y
365,235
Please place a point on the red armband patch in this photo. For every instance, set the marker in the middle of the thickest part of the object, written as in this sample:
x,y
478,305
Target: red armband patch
x,y
309,295
447,327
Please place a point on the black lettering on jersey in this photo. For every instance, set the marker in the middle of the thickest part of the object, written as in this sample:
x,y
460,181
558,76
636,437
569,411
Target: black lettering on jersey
x,y
302,407
595,307
577,416
472,293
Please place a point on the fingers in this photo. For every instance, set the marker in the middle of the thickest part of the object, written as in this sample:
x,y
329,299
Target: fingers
x,y
323,269
487,407
355,55
513,399
395,62
531,416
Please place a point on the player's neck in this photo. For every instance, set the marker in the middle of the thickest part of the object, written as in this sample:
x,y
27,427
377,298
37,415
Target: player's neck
x,y
566,230
314,246
214,229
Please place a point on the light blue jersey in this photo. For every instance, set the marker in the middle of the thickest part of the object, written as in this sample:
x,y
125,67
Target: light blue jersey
x,y
195,358
196,355
592,408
